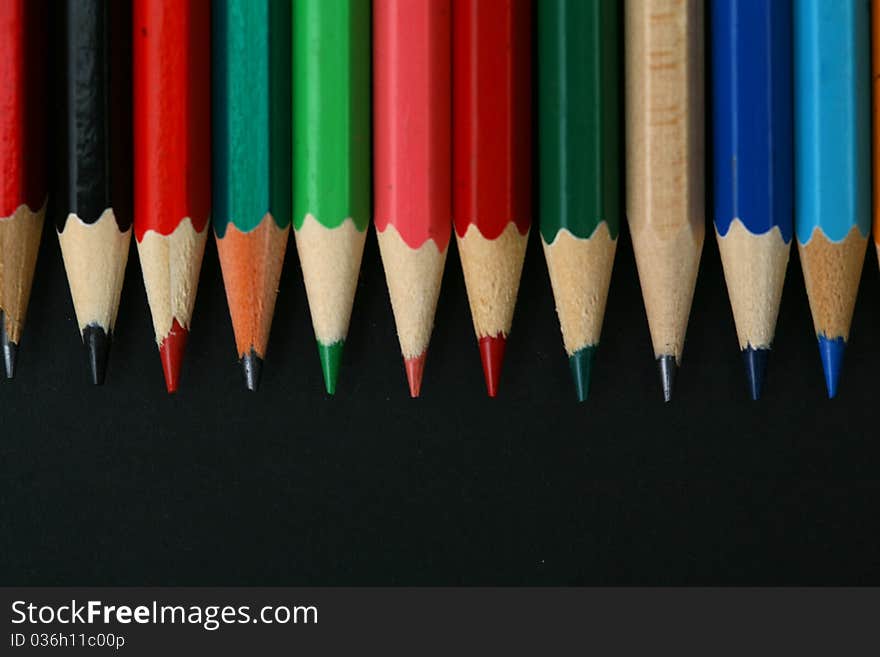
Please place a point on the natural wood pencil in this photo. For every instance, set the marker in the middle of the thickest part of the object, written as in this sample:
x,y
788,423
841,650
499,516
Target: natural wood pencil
x,y
664,166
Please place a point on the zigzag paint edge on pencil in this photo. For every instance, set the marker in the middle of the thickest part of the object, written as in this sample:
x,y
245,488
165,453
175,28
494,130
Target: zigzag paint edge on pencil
x,y
413,276
265,243
580,275
492,270
171,265
331,261
328,255
95,255
831,269
754,269
20,234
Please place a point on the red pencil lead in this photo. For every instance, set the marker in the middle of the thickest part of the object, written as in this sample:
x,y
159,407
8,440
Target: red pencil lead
x,y
415,368
171,352
492,355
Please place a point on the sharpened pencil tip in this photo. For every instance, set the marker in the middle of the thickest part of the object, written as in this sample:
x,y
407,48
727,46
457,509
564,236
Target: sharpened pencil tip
x,y
492,357
668,368
756,370
415,369
97,345
10,353
252,368
10,349
581,363
331,357
831,350
171,352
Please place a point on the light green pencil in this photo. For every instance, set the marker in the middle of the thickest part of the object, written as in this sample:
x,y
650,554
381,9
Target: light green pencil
x,y
331,162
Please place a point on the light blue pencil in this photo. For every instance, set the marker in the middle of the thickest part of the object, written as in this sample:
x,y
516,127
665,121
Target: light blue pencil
x,y
832,164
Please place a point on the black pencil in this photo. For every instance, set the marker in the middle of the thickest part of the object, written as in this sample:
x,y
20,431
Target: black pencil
x,y
94,223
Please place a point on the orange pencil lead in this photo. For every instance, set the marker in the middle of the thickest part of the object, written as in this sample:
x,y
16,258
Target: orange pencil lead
x,y
415,368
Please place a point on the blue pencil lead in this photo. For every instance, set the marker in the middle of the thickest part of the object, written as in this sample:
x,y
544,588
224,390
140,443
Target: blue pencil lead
x,y
831,351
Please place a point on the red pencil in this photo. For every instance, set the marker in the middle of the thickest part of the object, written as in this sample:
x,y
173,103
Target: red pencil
x,y
491,162
22,174
411,141
172,162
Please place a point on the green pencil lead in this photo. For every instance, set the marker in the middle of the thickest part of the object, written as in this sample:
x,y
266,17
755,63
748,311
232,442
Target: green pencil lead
x,y
581,363
331,356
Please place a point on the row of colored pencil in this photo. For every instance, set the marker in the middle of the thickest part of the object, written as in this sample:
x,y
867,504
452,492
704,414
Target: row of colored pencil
x,y
201,102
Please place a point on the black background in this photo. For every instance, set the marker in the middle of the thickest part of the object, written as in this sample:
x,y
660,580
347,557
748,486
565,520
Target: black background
x,y
217,486
126,485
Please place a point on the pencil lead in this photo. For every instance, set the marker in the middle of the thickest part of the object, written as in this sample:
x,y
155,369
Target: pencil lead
x,y
492,357
97,346
756,369
10,349
10,353
831,351
668,368
171,351
415,368
252,368
581,363
331,356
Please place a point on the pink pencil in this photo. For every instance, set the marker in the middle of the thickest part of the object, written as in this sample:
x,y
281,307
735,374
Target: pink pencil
x,y
412,126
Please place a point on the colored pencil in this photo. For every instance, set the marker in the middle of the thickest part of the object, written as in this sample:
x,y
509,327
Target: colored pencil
x,y
412,49
491,77
664,165
331,169
875,67
832,171
251,151
94,226
753,150
172,162
579,74
22,174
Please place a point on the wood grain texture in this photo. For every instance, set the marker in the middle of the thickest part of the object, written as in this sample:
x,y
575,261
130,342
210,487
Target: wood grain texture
x,y
754,268
251,263
95,255
492,270
832,271
580,274
19,243
665,167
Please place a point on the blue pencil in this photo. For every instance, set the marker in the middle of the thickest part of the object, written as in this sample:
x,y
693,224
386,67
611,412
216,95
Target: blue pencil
x,y
832,164
751,66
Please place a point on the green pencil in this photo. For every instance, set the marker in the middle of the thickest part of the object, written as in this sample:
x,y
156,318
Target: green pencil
x,y
251,153
331,167
579,148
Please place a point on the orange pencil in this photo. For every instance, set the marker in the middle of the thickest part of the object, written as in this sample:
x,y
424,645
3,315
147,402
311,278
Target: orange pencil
x,y
251,156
